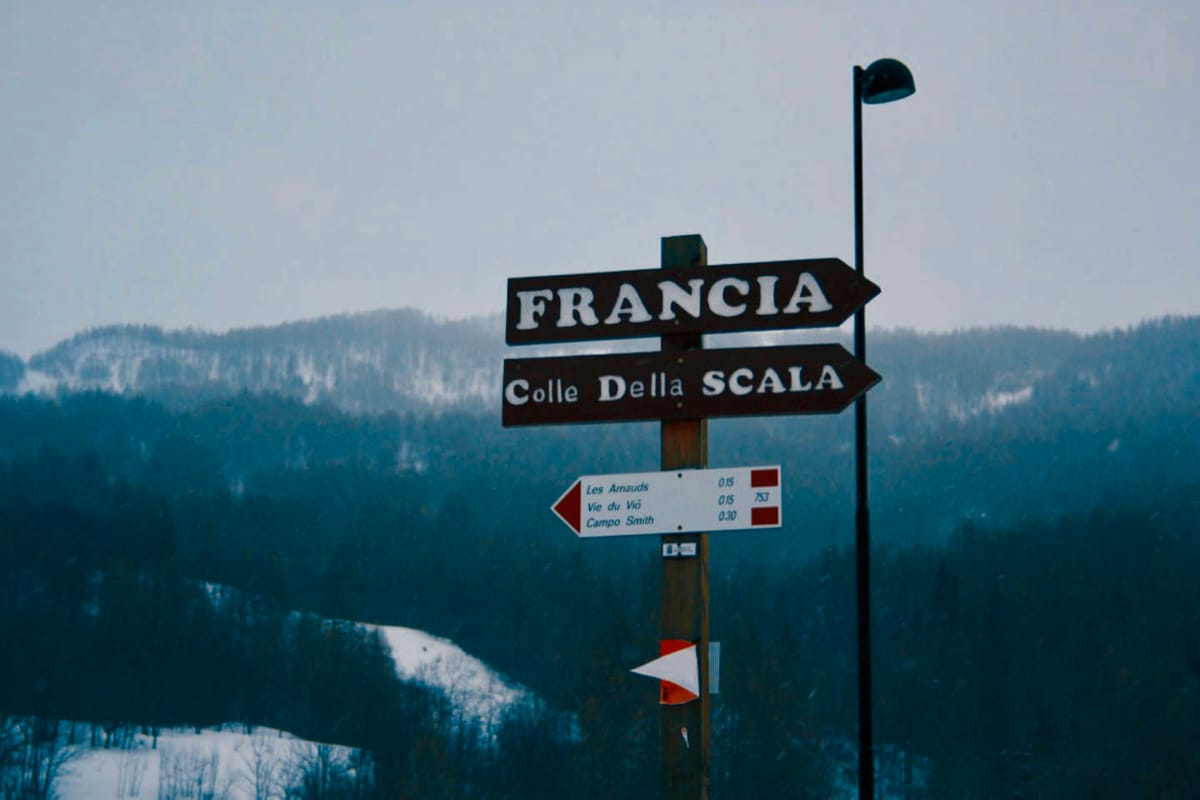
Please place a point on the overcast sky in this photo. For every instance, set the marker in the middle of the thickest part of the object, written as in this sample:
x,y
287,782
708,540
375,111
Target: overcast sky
x,y
219,165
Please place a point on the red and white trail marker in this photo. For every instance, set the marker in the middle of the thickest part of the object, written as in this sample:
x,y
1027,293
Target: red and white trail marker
x,y
678,670
673,501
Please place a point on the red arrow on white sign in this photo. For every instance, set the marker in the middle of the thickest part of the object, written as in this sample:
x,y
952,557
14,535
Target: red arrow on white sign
x,y
568,508
673,501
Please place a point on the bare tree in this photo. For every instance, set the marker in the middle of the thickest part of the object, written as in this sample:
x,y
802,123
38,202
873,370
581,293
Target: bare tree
x,y
11,743
323,772
186,774
131,773
33,756
262,772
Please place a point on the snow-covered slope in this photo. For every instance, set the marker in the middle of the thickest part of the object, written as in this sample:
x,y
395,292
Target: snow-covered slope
x,y
478,694
380,361
235,764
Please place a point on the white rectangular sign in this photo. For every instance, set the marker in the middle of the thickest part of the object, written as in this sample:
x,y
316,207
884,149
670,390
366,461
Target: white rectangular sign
x,y
673,501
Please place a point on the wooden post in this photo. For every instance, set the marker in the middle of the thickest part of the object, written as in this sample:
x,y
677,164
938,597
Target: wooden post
x,y
685,758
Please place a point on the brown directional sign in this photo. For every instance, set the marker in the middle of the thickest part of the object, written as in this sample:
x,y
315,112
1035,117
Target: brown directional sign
x,y
689,384
807,293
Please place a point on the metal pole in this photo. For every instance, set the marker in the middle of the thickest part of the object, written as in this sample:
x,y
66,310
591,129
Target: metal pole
x,y
862,514
684,732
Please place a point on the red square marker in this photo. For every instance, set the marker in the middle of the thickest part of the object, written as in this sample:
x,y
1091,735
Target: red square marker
x,y
764,477
764,515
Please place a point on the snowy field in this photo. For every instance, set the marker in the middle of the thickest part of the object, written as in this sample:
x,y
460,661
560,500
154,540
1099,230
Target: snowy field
x,y
225,764
235,762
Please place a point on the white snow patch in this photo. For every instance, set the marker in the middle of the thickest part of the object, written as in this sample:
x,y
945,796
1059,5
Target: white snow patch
x,y
409,458
997,401
217,762
219,594
1114,445
922,395
478,693
37,382
962,407
214,368
307,372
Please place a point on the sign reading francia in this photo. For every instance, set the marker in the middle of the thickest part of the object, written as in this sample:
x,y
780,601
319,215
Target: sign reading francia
x,y
805,293
673,501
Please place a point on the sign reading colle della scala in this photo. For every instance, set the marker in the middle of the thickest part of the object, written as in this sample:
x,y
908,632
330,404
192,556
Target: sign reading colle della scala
x,y
686,384
771,295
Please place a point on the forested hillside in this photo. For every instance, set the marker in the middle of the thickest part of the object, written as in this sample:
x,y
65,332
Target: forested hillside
x,y
370,362
1036,617
12,369
403,360
981,425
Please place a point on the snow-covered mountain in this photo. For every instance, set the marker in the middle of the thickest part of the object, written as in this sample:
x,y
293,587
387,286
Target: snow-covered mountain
x,y
378,361
405,360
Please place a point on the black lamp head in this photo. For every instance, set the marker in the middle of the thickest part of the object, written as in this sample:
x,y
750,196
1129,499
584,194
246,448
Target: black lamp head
x,y
886,80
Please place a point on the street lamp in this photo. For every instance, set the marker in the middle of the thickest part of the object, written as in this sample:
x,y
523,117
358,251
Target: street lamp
x,y
883,81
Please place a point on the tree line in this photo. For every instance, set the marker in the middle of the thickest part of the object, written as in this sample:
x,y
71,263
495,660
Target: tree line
x,y
1050,655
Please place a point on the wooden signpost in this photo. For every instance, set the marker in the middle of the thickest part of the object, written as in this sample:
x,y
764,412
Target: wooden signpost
x,y
683,385
686,759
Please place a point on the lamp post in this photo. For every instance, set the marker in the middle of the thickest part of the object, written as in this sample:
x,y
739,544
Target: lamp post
x,y
883,81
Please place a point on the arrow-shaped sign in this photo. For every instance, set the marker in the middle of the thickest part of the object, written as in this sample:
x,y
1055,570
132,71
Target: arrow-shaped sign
x,y
675,501
569,508
689,384
803,293
678,669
